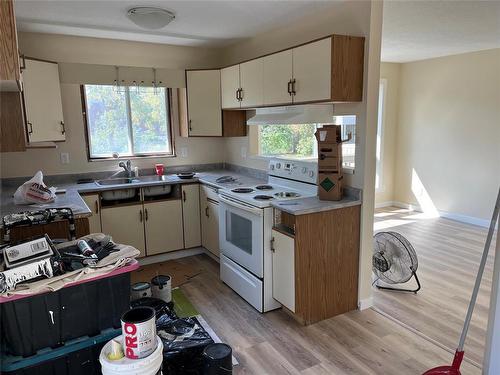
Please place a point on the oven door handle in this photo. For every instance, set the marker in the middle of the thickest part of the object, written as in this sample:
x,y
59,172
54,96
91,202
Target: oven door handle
x,y
255,211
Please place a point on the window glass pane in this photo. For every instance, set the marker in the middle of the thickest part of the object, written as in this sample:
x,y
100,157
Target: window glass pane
x,y
150,126
107,121
290,141
348,124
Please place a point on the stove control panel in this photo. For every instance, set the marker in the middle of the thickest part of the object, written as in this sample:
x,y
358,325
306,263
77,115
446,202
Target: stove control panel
x,y
296,170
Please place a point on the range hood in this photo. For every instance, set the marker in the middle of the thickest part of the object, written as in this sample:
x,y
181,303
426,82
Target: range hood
x,y
299,114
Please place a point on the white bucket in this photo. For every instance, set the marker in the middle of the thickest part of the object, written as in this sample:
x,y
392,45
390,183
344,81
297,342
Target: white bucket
x,y
161,287
150,365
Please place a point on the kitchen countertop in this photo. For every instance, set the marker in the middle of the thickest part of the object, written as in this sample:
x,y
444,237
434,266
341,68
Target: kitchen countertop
x,y
72,198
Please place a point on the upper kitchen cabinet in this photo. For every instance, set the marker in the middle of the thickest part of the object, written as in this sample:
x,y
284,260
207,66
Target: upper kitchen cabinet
x,y
204,103
42,99
10,69
277,78
252,83
230,87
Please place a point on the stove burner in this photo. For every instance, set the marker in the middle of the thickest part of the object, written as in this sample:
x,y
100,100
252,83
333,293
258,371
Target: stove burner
x,y
242,190
287,194
264,187
263,197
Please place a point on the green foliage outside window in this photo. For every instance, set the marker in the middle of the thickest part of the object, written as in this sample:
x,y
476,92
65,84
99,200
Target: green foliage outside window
x,y
288,140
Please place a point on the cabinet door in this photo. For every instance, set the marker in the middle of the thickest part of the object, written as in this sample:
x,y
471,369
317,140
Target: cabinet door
x,y
204,102
125,225
277,75
42,95
312,71
209,224
230,83
10,74
92,201
191,215
252,83
284,270
163,223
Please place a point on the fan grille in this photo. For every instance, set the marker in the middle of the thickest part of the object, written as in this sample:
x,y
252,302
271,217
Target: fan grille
x,y
394,259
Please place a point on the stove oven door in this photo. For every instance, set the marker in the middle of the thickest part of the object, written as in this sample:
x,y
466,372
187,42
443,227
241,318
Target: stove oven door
x,y
241,234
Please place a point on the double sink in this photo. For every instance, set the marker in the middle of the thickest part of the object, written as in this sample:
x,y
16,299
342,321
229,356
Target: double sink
x,y
121,194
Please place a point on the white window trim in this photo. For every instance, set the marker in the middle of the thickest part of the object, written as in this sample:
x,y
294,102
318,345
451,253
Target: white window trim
x,y
380,136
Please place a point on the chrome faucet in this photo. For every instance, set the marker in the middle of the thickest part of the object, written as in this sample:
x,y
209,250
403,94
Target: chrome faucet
x,y
127,167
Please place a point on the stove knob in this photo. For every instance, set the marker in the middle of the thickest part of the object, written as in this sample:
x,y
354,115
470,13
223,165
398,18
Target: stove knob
x,y
304,170
271,167
278,165
311,174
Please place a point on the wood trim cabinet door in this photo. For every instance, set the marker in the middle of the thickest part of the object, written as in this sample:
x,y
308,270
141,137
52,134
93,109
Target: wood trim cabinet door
x,y
204,102
284,269
10,73
277,76
12,129
125,224
92,201
42,96
191,215
163,223
252,83
230,84
312,70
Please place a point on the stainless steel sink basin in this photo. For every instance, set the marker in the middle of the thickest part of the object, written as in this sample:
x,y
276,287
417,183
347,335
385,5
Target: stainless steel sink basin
x,y
116,181
153,178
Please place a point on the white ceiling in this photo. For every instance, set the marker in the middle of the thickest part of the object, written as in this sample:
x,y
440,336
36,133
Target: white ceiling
x,y
416,29
207,23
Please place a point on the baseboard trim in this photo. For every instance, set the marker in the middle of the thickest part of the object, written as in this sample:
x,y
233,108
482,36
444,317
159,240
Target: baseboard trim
x,y
171,255
445,214
365,303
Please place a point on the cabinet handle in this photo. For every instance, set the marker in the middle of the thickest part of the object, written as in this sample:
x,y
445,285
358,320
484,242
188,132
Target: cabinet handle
x,y
241,94
238,94
96,207
206,212
190,127
30,127
23,62
272,245
140,216
183,196
289,87
146,213
294,81
63,128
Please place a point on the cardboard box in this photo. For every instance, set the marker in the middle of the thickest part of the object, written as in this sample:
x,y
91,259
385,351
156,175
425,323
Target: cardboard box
x,y
330,156
330,186
329,134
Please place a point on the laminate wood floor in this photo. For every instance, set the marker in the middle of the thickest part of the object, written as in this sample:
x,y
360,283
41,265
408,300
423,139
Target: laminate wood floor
x,y
448,253
359,342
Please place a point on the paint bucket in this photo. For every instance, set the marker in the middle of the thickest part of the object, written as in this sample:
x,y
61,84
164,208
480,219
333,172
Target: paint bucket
x,y
151,365
217,359
140,290
139,332
161,287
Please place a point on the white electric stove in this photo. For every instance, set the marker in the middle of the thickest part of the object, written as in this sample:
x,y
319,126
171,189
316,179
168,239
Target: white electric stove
x,y
245,226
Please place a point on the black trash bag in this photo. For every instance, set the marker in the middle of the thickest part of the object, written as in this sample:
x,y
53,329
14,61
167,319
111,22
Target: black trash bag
x,y
183,342
162,309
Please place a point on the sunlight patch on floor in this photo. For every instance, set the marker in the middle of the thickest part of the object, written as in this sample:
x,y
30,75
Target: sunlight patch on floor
x,y
391,223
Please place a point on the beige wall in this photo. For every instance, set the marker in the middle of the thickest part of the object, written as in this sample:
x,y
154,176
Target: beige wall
x,y
70,49
389,72
448,137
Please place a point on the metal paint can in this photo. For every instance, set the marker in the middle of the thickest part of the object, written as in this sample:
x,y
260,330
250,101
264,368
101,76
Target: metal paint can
x,y
161,287
139,332
140,290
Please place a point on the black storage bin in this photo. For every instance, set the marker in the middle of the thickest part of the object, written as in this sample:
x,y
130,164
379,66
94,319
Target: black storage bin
x,y
51,319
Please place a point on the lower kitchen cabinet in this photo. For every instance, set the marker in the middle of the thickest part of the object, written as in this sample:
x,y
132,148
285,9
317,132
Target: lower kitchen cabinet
x,y
209,220
163,226
92,201
191,215
125,225
283,248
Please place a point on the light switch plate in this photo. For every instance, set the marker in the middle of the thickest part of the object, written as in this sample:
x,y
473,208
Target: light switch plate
x,y
64,157
184,152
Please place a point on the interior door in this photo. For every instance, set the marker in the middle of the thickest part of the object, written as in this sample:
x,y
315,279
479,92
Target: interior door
x,y
312,71
92,201
277,75
125,224
163,223
230,83
204,102
252,83
191,215
284,269
42,96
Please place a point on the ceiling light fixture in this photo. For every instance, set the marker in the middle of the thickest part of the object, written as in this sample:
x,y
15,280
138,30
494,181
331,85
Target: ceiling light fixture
x,y
150,18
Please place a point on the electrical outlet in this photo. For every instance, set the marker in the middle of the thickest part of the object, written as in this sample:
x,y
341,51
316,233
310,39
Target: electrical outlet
x,y
244,152
184,152
64,157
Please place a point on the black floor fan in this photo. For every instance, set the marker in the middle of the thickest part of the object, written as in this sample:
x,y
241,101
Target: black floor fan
x,y
394,261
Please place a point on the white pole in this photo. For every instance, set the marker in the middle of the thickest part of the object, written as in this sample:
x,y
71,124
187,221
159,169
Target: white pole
x,y
491,364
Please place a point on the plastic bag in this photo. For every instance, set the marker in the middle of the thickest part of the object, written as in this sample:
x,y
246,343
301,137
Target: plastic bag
x,y
34,191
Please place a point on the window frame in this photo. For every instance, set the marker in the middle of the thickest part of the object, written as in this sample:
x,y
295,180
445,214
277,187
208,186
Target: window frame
x,y
168,103
379,147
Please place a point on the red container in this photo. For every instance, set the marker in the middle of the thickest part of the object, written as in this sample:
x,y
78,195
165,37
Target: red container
x,y
159,169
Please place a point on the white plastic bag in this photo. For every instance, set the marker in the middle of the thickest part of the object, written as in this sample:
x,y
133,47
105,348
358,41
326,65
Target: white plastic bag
x,y
34,191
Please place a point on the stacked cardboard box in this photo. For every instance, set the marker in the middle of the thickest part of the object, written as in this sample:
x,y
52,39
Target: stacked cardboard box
x,y
330,177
